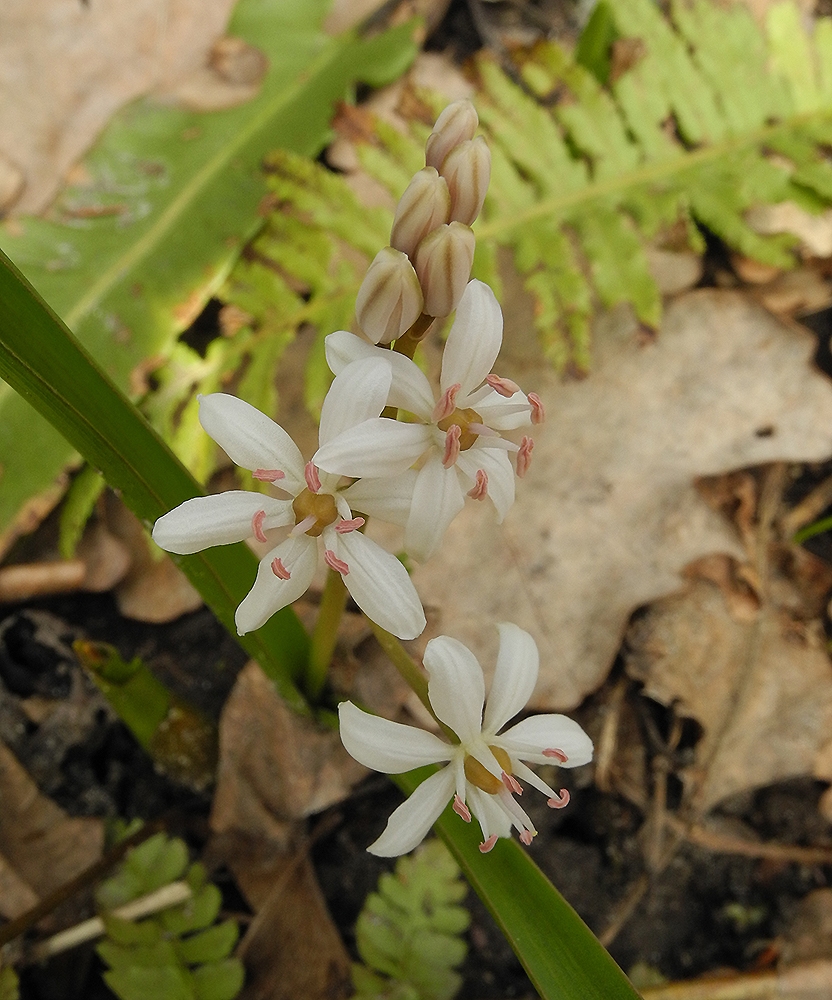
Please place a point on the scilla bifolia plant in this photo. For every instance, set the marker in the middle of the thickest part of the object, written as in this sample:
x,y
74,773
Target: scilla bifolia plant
x,y
391,447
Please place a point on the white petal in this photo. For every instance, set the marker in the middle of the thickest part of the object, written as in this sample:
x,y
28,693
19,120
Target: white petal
x,y
409,824
410,388
217,520
456,688
358,393
504,413
497,466
269,594
437,499
251,439
379,584
529,738
518,662
490,816
475,339
388,746
388,498
342,348
376,447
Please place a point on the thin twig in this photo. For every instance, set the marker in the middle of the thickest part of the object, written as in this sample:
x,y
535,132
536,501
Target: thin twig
x,y
809,509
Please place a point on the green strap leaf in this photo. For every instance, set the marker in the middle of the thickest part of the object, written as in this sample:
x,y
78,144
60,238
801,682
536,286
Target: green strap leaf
x,y
41,360
563,958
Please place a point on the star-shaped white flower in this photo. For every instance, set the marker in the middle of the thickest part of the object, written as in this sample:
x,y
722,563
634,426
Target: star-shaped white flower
x,y
484,766
456,438
319,507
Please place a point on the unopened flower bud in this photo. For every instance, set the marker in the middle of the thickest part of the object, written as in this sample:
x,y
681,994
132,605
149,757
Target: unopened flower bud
x,y
457,123
443,264
467,170
390,298
425,205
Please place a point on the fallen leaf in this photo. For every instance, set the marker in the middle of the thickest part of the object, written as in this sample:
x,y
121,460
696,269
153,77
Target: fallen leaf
x,y
45,847
16,896
67,67
608,515
760,689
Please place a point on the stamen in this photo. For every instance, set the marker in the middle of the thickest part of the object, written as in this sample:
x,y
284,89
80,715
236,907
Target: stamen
x,y
268,475
480,488
344,526
486,845
461,809
524,456
313,480
303,526
557,754
504,386
526,837
483,430
280,570
511,783
447,403
561,801
257,526
335,563
538,413
452,446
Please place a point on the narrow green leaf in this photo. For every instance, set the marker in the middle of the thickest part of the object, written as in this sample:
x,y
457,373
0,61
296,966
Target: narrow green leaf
x,y
41,360
563,958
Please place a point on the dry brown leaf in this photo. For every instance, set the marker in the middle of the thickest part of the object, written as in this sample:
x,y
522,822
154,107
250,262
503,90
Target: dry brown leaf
x,y
67,67
274,765
608,515
45,847
16,896
761,689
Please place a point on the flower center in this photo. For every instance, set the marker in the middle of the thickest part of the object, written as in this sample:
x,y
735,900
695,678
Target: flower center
x,y
482,778
463,419
321,506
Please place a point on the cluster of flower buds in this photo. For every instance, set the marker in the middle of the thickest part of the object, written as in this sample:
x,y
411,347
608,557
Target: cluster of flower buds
x,y
422,274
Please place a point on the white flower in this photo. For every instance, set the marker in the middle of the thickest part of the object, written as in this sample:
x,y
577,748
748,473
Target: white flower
x,y
318,507
483,768
457,437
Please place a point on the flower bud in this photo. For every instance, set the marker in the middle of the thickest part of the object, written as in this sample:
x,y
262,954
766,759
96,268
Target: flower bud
x,y
425,205
443,264
457,123
390,298
467,170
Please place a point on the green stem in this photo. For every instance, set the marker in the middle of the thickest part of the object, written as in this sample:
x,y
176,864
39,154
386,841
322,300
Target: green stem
x,y
325,636
410,671
410,339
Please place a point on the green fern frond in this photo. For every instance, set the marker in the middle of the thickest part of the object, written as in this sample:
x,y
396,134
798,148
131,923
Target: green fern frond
x,y
179,954
409,934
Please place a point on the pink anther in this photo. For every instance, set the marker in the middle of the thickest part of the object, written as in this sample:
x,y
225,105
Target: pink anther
x,y
335,563
526,837
556,754
280,570
524,456
257,526
461,809
561,801
504,386
447,403
538,412
344,526
479,490
452,448
486,845
268,475
313,480
511,783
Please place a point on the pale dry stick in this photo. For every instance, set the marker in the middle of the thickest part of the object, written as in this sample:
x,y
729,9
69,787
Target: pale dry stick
x,y
808,981
154,902
608,739
809,509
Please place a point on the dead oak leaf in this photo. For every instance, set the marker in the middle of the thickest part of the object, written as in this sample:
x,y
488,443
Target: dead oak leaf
x,y
608,515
